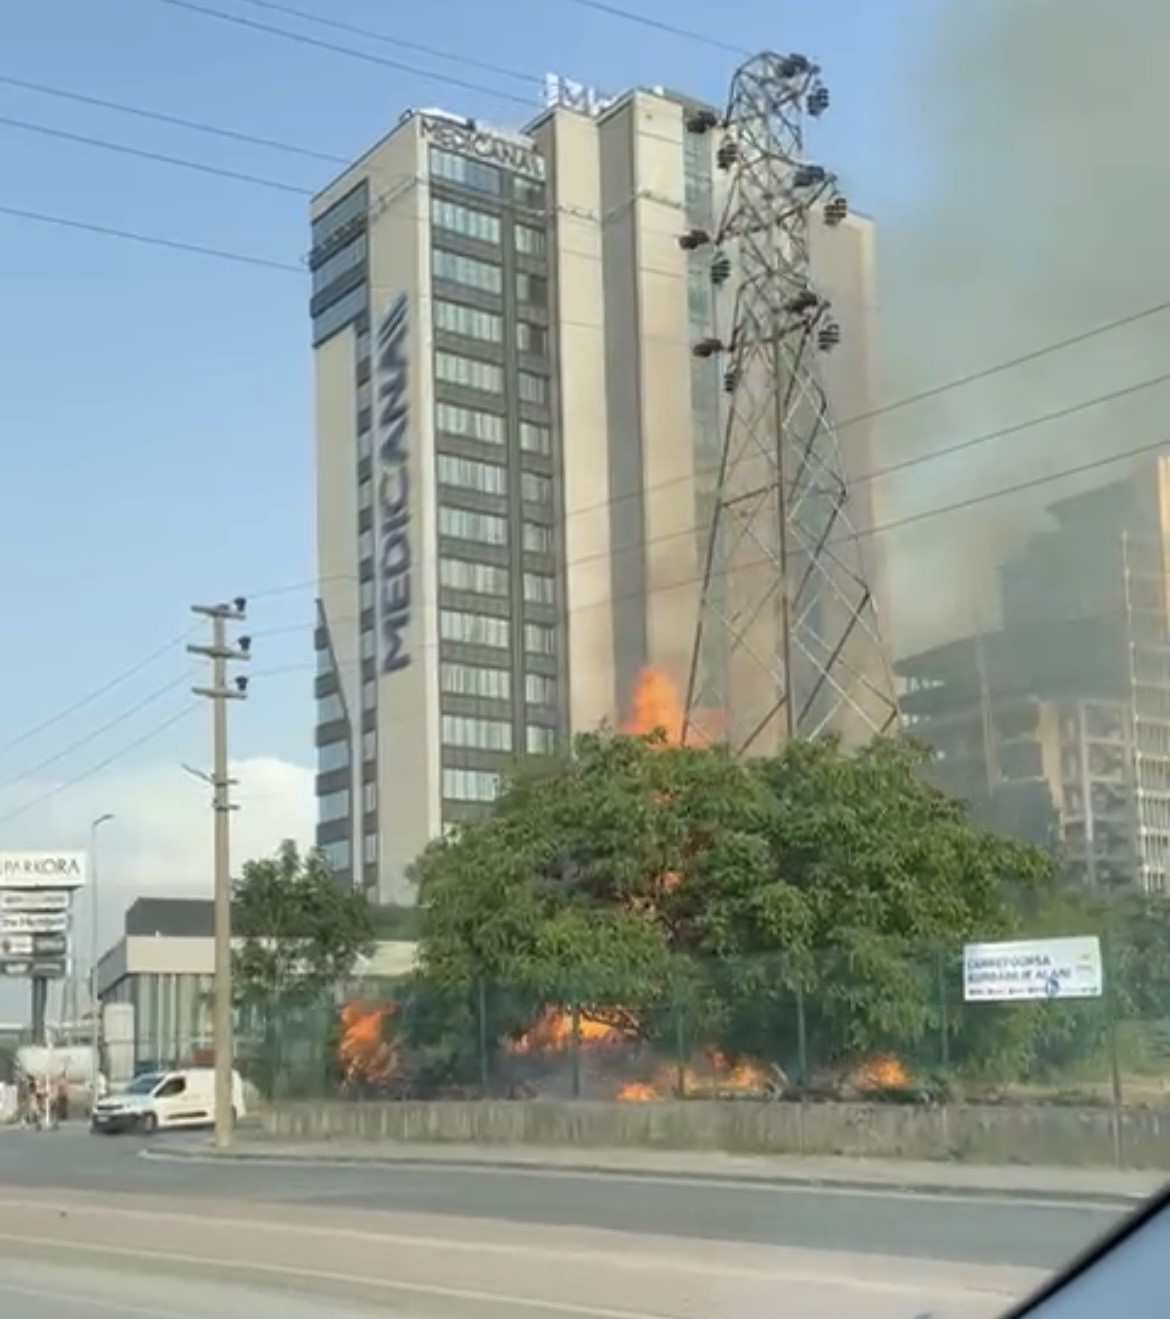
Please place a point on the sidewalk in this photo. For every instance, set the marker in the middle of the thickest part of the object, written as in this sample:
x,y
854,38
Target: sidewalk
x,y
1072,1184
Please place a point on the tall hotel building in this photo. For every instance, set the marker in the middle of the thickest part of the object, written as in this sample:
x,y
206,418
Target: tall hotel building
x,y
515,449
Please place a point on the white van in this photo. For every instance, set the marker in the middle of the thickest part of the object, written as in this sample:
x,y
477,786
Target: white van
x,y
155,1100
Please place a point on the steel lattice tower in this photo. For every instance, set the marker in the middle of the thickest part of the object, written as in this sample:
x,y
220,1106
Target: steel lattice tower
x,y
787,643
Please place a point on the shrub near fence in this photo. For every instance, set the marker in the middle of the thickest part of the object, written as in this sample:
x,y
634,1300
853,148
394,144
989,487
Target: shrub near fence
x,y
889,1027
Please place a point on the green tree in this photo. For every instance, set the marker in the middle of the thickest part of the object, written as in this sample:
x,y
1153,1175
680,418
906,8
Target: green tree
x,y
636,876
298,935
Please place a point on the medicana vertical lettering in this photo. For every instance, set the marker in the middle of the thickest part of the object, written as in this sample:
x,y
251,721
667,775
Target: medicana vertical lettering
x,y
393,563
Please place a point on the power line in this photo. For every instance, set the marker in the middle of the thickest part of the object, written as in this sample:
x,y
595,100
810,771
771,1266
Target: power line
x,y
95,733
985,373
468,61
59,788
658,25
159,116
352,52
151,240
96,694
155,157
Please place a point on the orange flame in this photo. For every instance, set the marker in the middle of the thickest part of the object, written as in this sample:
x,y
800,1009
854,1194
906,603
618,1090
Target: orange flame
x,y
713,1077
883,1072
553,1031
363,1049
656,704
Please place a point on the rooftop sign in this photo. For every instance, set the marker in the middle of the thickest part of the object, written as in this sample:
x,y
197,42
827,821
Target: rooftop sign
x,y
466,139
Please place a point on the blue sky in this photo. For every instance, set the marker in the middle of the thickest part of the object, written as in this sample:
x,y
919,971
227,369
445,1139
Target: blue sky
x,y
156,406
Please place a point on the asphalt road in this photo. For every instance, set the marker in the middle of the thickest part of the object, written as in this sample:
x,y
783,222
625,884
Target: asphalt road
x,y
1032,1234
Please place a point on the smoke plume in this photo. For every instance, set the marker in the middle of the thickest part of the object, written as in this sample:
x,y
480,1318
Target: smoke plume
x,y
1036,135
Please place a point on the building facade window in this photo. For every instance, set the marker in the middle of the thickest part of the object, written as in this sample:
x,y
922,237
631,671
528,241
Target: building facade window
x,y
540,741
369,744
324,661
469,322
330,709
531,339
539,589
333,806
532,289
533,389
468,173
370,849
474,629
366,594
470,785
475,680
538,539
339,314
365,544
365,494
477,734
536,489
368,647
364,442
528,192
465,220
369,694
467,474
469,372
469,422
529,241
363,345
332,756
345,259
482,578
535,438
340,214
539,640
337,854
539,689
369,798
467,270
462,524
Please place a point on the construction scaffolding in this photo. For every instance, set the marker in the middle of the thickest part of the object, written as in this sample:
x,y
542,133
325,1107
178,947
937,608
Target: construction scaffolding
x,y
787,643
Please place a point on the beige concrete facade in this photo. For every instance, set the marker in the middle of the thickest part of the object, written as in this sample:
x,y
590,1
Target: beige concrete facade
x,y
584,593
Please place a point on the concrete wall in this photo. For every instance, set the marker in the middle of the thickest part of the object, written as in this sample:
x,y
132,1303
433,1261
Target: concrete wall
x,y
1035,1135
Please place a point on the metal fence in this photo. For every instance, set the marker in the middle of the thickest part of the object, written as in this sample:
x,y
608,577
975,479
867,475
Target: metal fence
x,y
885,1021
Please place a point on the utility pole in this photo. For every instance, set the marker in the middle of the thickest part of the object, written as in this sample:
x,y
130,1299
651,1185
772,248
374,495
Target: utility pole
x,y
219,693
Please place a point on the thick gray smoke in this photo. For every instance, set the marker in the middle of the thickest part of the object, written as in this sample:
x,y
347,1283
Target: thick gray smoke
x,y
1037,131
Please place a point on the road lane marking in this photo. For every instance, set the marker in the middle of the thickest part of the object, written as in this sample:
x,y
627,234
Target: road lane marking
x,y
331,1276
1119,1204
778,1274
92,1302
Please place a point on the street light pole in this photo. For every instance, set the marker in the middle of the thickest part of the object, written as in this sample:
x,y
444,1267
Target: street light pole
x,y
94,948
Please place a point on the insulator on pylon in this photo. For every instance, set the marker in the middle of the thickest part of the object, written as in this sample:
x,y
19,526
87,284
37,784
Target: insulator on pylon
x,y
817,101
720,269
836,209
730,379
693,239
702,121
728,153
708,347
805,300
792,66
828,336
808,176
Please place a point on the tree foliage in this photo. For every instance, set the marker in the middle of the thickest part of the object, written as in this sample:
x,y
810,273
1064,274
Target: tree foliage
x,y
637,877
298,932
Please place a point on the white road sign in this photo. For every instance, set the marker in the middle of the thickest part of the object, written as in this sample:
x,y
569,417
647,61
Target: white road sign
x,y
33,922
42,870
19,899
1032,969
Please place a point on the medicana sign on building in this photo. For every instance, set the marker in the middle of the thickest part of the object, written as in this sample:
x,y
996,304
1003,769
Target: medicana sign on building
x,y
1031,969
42,870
